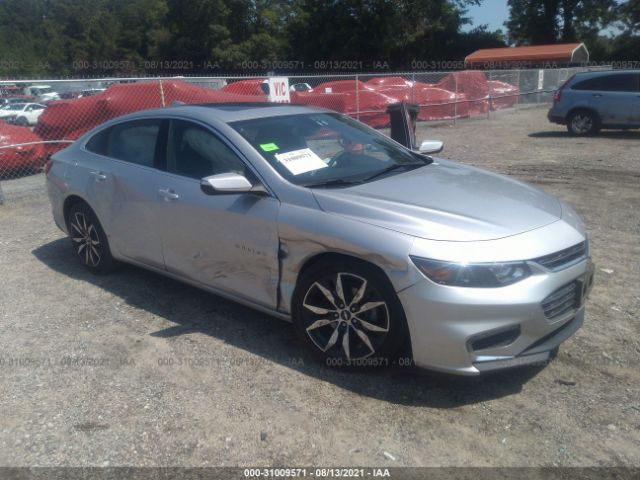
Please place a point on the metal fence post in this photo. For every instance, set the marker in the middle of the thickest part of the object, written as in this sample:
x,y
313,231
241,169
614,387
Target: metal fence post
x,y
162,94
357,99
519,91
455,100
1,194
489,96
413,87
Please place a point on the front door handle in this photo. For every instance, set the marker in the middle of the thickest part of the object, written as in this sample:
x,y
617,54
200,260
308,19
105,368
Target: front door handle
x,y
168,194
597,95
98,175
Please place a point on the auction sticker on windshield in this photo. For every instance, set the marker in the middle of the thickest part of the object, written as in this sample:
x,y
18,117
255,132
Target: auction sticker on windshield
x,y
300,161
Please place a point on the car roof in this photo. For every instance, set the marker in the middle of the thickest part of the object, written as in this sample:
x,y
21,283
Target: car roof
x,y
230,112
598,73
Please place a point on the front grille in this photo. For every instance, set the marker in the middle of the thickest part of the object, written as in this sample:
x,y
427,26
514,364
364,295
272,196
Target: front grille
x,y
561,301
563,258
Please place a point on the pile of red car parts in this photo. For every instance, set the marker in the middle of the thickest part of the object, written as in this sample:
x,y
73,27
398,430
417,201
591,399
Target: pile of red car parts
x,y
19,150
69,119
457,95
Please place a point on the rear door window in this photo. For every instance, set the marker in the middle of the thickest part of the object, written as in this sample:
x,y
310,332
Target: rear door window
x,y
134,142
627,82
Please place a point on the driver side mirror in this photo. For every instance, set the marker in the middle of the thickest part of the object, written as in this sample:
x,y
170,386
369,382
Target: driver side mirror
x,y
225,183
431,146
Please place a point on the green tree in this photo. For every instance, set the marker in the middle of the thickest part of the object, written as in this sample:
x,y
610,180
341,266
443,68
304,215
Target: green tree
x,y
140,26
227,32
553,21
23,47
382,30
54,37
627,45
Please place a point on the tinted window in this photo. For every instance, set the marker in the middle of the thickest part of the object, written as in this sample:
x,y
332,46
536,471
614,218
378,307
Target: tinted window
x,y
98,143
133,142
610,83
195,152
589,84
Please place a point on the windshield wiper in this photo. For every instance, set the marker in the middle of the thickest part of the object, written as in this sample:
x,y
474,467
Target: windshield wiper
x,y
336,182
391,168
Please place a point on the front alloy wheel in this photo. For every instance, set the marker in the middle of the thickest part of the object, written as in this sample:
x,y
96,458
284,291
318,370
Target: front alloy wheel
x,y
348,316
88,239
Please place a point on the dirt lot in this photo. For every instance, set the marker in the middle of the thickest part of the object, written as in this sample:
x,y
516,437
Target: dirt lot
x,y
136,369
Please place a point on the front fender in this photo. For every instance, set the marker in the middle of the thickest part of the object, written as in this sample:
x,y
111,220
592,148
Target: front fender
x,y
307,232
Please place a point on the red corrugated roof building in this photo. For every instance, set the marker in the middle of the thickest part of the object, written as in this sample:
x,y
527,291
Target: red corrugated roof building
x,y
535,55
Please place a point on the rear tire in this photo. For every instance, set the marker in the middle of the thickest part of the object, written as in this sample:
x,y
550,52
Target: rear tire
x,y
582,123
23,122
89,240
348,315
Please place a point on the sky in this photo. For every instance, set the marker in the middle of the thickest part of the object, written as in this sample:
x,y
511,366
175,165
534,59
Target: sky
x,y
495,12
492,12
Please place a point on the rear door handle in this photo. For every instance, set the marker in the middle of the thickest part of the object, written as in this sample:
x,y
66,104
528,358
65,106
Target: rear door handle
x,y
98,175
168,194
597,95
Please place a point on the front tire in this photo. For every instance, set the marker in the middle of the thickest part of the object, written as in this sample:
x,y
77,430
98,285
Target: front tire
x,y
347,314
583,123
89,240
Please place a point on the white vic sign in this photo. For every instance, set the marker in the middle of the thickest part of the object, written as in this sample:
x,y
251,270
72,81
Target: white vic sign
x,y
279,90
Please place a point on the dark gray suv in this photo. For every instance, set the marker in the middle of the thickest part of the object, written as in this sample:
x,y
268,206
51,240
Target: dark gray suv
x,y
590,101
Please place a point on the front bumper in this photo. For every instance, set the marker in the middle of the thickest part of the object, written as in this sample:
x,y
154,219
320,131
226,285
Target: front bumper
x,y
468,331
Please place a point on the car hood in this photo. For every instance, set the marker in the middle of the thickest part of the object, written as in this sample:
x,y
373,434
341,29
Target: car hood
x,y
445,201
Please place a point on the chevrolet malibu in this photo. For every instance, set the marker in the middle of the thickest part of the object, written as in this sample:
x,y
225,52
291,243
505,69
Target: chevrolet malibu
x,y
369,248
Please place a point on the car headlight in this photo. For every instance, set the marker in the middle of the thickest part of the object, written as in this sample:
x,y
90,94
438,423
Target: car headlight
x,y
478,275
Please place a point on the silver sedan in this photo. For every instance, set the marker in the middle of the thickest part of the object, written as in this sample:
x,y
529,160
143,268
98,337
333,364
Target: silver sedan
x,y
379,255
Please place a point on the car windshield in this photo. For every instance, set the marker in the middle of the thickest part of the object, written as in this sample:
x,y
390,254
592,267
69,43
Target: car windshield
x,y
325,149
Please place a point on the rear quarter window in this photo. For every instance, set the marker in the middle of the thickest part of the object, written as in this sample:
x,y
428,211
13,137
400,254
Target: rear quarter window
x,y
610,83
98,143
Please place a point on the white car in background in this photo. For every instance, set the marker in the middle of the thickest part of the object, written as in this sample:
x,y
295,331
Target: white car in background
x,y
21,113
43,93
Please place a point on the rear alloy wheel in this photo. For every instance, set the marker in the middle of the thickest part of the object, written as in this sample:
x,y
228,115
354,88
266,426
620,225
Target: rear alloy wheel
x,y
89,240
582,123
349,316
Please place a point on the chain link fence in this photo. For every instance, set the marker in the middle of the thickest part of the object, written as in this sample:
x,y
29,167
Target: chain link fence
x,y
40,117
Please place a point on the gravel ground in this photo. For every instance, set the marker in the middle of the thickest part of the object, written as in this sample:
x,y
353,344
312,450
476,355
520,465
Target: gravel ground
x,y
135,369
